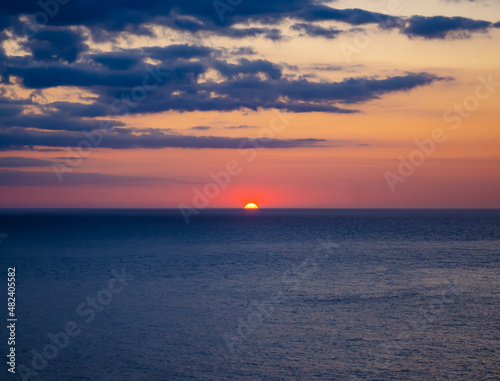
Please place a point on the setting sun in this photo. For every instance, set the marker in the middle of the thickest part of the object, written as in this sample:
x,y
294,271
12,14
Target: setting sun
x,y
251,205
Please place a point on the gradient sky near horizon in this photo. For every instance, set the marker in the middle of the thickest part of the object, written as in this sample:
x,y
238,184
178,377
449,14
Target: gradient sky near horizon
x,y
182,88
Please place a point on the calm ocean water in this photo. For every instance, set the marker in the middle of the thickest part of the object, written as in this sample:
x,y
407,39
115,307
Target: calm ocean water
x,y
254,295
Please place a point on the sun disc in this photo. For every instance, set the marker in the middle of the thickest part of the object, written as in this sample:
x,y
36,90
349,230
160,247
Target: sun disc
x,y
251,205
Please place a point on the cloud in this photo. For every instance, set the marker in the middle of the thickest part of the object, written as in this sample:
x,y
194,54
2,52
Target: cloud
x,y
193,77
119,60
243,50
46,149
329,67
53,45
152,140
55,121
245,66
440,27
251,84
85,75
200,128
253,92
107,19
178,51
49,179
316,31
23,162
195,15
239,127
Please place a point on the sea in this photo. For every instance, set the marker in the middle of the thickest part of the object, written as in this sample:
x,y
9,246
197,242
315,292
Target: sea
x,y
284,294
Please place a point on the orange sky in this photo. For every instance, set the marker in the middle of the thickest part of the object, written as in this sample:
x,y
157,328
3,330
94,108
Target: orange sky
x,y
347,170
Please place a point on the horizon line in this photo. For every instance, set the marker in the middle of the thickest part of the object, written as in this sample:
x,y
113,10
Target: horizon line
x,y
242,208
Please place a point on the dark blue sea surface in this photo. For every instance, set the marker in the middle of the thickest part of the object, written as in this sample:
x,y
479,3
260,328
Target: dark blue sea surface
x,y
253,295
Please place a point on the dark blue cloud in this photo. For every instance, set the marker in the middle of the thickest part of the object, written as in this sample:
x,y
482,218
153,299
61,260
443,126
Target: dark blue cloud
x,y
106,19
245,66
443,27
23,162
251,84
316,31
70,179
126,59
11,107
179,51
62,44
54,120
117,60
193,15
297,96
86,75
60,57
318,12
157,139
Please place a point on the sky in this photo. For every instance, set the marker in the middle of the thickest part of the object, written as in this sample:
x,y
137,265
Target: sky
x,y
214,104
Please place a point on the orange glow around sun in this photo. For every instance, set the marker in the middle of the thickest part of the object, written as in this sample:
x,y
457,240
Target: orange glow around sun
x,y
251,205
